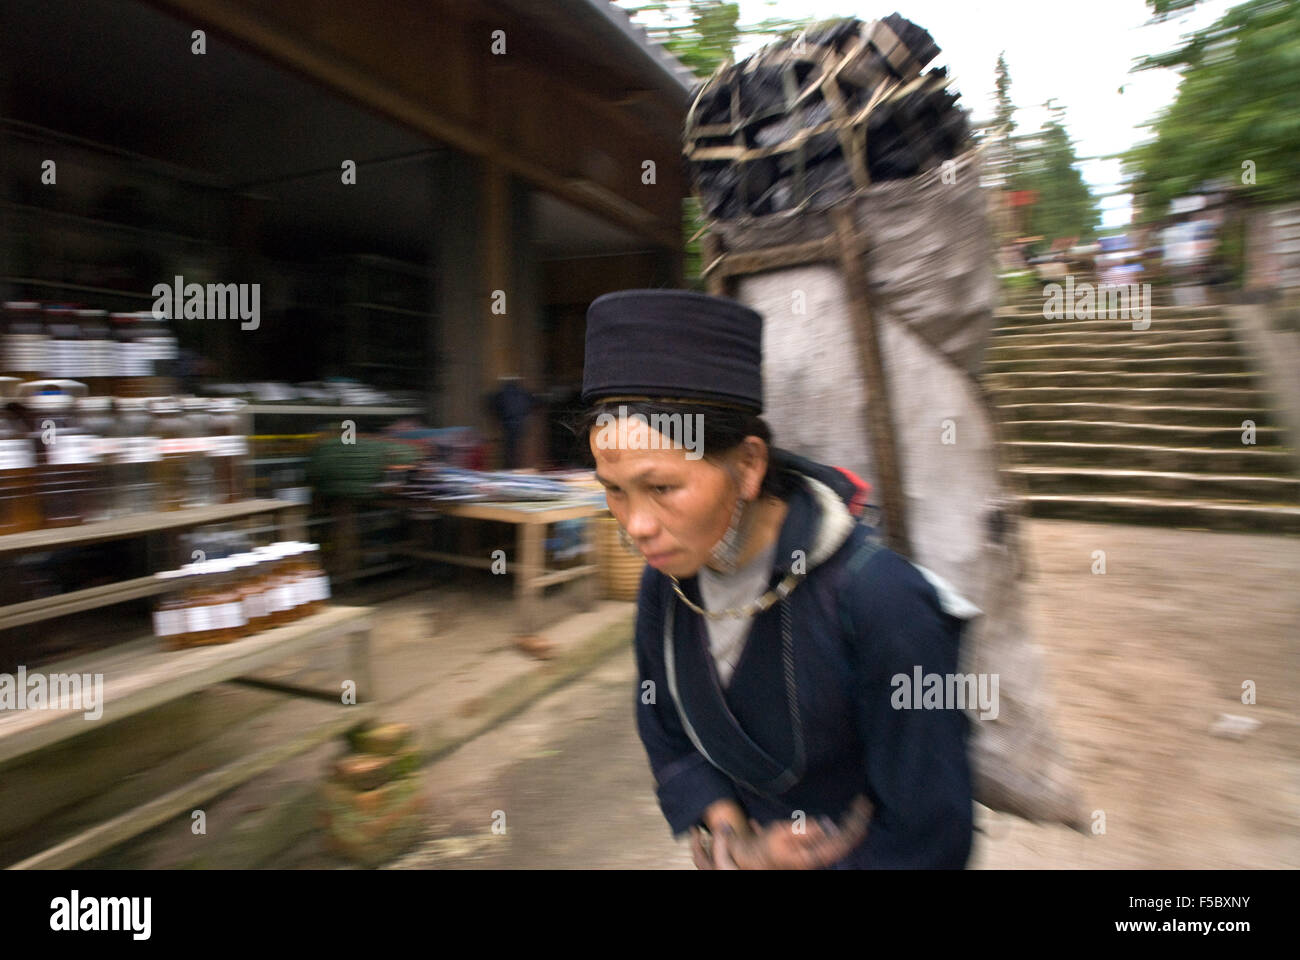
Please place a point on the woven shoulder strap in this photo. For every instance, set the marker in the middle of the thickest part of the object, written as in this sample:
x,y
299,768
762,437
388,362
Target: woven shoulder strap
x,y
868,548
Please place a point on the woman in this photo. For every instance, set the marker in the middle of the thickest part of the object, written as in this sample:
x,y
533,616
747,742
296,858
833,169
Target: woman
x,y
771,626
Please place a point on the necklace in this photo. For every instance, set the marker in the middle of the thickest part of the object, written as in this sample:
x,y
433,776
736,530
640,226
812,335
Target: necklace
x,y
779,592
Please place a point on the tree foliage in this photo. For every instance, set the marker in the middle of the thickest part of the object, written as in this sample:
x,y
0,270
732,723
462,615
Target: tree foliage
x,y
1046,164
1043,162
1237,111
702,34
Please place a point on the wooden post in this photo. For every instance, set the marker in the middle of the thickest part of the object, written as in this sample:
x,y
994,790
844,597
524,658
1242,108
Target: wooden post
x,y
710,249
880,420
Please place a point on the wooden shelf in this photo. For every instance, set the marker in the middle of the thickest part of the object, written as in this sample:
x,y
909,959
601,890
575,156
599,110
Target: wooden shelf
x,y
313,724
293,408
79,219
79,288
135,525
47,608
385,308
140,675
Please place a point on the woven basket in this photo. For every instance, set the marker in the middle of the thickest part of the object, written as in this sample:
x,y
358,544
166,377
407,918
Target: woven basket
x,y
620,571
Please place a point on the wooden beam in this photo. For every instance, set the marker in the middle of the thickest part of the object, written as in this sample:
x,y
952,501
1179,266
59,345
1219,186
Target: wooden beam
x,y
880,420
295,45
743,263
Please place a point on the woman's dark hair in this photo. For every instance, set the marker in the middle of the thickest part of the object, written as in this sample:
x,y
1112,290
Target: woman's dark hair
x,y
723,430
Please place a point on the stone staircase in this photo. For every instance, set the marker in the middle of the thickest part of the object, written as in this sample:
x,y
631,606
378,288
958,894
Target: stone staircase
x,y
1103,422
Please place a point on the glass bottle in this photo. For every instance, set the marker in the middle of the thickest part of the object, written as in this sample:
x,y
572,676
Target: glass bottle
x,y
135,459
131,366
200,480
66,456
64,358
320,579
98,358
228,615
26,341
19,510
175,444
158,348
252,586
279,591
200,598
296,576
95,419
228,426
170,624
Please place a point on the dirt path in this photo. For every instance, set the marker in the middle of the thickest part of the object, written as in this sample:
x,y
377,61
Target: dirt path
x,y
1143,659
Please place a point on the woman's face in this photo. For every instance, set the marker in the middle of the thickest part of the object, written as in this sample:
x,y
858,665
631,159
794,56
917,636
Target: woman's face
x,y
674,508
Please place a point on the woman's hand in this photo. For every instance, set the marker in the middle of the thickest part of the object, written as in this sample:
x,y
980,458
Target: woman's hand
x,y
778,846
722,816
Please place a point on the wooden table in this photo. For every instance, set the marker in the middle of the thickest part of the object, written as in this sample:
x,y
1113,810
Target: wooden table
x,y
531,520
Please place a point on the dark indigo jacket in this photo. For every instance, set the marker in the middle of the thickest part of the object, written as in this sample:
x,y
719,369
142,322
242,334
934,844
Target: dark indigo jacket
x,y
847,641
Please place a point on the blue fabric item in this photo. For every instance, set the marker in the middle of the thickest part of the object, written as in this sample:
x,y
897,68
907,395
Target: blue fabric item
x,y
855,626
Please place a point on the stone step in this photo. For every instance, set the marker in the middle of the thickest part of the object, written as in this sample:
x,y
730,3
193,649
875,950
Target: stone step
x,y
1028,325
1067,352
1112,481
1115,378
1169,512
1135,396
1092,431
1247,459
1120,365
1158,312
1120,338
1165,414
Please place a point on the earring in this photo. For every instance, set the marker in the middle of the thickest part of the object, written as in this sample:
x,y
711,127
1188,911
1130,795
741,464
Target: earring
x,y
626,540
726,551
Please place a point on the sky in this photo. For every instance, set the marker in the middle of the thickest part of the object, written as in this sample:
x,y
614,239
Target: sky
x,y
1078,53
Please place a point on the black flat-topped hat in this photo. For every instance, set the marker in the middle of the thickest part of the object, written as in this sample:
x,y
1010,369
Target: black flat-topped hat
x,y
673,345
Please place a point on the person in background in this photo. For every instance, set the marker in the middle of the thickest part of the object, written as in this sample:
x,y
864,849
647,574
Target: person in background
x,y
512,404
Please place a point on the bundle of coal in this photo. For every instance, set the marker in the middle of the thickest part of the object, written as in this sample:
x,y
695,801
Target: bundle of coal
x,y
809,119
